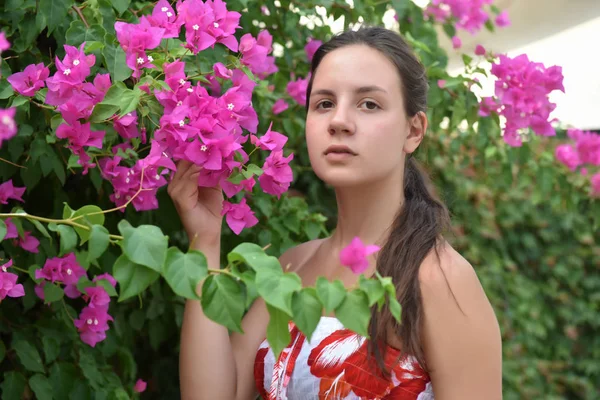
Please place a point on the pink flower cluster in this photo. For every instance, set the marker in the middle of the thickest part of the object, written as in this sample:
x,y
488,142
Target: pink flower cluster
x,y
521,96
74,97
127,181
92,323
584,151
8,126
28,242
469,15
8,283
9,191
207,23
65,270
255,54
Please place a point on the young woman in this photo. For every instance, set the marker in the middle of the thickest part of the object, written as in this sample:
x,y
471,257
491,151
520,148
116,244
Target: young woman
x,y
366,105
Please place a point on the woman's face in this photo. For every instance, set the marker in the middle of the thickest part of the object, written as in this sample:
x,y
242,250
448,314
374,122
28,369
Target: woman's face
x,y
357,131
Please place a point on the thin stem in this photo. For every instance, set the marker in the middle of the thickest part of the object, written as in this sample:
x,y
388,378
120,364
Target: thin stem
x,y
12,163
221,271
56,221
67,311
78,11
19,269
120,207
40,105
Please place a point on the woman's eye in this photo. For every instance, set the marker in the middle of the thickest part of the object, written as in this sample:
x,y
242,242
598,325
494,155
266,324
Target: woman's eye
x,y
370,105
325,104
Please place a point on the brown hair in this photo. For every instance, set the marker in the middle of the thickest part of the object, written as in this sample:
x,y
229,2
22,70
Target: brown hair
x,y
422,219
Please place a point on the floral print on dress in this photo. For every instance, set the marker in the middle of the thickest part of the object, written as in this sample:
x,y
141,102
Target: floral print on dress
x,y
336,366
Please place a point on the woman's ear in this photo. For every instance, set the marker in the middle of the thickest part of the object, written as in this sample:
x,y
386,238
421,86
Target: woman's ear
x,y
416,132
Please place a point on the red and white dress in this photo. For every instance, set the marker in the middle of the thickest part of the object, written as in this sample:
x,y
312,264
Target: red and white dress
x,y
334,366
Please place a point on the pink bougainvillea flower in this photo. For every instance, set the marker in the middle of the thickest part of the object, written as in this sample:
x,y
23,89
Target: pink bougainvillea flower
x,y
311,48
140,386
231,189
441,83
208,23
107,277
271,140
4,44
92,324
238,216
64,269
297,90
8,191
126,126
280,106
11,229
588,147
595,180
8,283
522,90
480,50
30,80
456,42
29,242
277,173
163,16
97,297
255,54
8,126
354,256
568,155
502,19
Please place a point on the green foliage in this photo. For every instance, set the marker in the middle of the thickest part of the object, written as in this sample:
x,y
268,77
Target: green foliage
x,y
525,224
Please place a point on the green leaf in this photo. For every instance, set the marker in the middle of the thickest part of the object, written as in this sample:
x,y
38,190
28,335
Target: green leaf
x,y
120,5
54,12
98,242
307,310
183,272
114,93
79,33
354,312
373,289
278,334
92,46
89,220
68,238
223,301
3,230
52,292
63,376
51,347
103,112
2,350
133,278
13,386
277,289
105,283
18,101
331,294
145,245
114,59
41,387
28,355
256,258
129,101
255,169
395,308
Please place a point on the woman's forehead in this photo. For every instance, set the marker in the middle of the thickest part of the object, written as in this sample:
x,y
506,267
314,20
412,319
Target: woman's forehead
x,y
355,66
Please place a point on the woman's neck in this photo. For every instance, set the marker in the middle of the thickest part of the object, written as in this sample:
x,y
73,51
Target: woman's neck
x,y
367,212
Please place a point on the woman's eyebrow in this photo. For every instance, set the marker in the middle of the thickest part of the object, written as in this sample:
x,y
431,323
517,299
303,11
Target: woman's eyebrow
x,y
360,90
